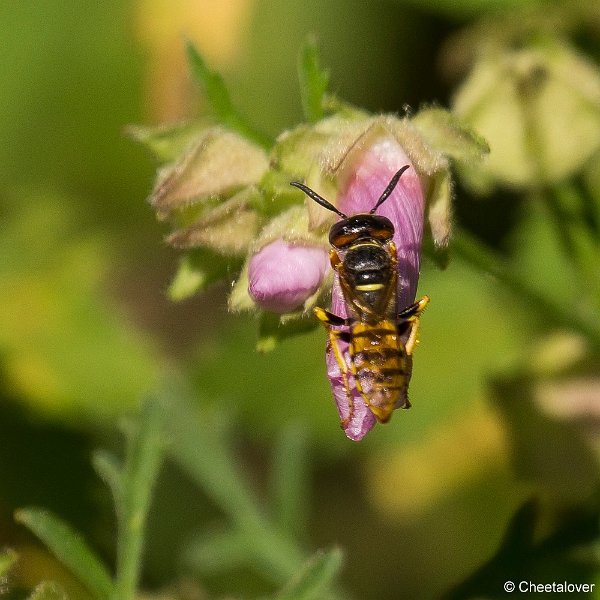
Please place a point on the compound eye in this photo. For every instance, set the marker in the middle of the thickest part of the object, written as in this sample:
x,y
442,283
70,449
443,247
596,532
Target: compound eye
x,y
342,239
361,226
383,234
342,234
381,228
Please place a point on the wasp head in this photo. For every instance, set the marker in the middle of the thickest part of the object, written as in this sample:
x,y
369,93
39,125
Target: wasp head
x,y
363,225
352,229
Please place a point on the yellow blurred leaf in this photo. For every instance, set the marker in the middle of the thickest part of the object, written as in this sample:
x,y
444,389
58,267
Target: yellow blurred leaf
x,y
65,347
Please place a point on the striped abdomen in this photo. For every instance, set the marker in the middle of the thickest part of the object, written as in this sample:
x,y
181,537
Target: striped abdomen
x,y
379,367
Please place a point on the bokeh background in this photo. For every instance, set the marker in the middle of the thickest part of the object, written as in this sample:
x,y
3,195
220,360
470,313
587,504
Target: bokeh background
x,y
86,328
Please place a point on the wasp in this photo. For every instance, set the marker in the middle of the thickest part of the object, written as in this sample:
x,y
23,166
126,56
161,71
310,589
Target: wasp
x,y
364,258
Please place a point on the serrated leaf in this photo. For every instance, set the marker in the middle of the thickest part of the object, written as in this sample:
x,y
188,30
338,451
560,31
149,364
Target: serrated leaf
x,y
314,578
70,548
217,95
313,80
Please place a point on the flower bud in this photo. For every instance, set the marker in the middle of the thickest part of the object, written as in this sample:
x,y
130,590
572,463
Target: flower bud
x,y
283,275
538,107
218,163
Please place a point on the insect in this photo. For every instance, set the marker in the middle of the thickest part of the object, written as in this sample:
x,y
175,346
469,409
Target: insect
x,y
364,257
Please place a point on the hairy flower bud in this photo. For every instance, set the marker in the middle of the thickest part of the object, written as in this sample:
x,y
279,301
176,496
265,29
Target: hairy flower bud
x,y
283,275
539,108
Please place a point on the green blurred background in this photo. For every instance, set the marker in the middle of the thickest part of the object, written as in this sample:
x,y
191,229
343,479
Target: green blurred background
x,y
86,328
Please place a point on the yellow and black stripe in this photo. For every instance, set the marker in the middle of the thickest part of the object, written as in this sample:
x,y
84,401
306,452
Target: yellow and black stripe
x,y
379,366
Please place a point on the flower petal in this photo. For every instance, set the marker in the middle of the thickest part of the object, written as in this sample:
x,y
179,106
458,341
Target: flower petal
x,y
356,417
405,207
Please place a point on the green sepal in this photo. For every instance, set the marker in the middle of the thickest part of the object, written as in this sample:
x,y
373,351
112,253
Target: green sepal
x,y
439,255
297,150
168,142
440,206
227,228
278,195
239,299
447,134
218,163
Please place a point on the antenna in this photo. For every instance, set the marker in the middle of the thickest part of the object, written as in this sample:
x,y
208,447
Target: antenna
x,y
389,189
319,199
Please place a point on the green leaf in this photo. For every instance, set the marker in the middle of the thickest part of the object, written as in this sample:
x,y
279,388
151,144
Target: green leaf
x,y
290,480
108,468
313,80
218,551
48,590
70,548
213,86
314,578
199,446
142,463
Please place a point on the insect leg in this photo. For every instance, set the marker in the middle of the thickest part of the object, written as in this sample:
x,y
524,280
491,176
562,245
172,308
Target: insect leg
x,y
328,319
334,337
411,316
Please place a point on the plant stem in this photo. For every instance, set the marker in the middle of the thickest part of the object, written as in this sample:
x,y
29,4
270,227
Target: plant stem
x,y
144,453
204,454
576,233
478,255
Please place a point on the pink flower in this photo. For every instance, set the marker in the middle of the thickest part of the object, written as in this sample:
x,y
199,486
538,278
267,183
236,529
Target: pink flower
x,y
283,275
369,176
